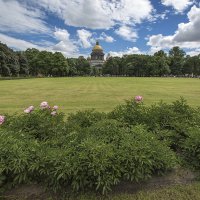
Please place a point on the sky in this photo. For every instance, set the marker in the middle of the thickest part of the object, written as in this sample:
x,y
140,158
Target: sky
x,y
121,26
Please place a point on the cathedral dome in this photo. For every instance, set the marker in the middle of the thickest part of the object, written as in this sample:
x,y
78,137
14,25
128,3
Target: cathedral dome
x,y
97,47
97,56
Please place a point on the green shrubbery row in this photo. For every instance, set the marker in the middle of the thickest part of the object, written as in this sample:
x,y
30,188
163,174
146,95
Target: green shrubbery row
x,y
93,150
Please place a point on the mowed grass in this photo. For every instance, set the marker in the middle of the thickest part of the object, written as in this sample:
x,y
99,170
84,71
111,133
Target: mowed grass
x,y
101,93
176,192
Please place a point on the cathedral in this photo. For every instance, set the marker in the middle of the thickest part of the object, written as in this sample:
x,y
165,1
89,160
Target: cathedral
x,y
97,56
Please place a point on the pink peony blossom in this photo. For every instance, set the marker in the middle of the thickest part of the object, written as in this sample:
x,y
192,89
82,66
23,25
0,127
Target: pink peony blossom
x,y
53,113
138,98
31,108
55,108
27,110
44,105
2,119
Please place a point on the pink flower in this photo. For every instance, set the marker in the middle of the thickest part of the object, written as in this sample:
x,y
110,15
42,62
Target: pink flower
x,y
55,108
27,110
2,119
138,98
44,105
53,113
31,108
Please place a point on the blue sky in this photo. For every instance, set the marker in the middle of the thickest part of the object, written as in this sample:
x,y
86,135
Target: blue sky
x,y
121,26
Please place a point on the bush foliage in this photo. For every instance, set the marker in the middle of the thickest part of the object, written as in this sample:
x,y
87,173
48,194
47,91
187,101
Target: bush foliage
x,y
94,151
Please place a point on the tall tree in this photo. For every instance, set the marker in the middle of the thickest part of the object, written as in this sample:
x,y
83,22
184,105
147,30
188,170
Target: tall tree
x,y
176,56
23,63
162,63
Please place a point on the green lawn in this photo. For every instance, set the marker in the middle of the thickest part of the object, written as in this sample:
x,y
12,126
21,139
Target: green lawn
x,y
101,93
177,192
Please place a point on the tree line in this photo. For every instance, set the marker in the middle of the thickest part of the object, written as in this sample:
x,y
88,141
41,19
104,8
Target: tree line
x,y
33,62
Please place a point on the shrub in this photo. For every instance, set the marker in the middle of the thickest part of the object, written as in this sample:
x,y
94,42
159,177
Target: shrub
x,y
40,124
95,166
132,113
93,150
16,153
110,153
143,155
191,148
170,122
109,131
85,118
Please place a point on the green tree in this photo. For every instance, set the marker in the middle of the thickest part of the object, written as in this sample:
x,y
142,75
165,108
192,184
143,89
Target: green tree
x,y
23,63
83,66
162,63
32,57
112,66
192,65
176,56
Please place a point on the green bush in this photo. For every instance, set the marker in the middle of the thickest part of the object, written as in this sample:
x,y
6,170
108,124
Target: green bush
x,y
110,153
85,118
17,154
144,155
191,148
131,113
93,150
40,123
170,122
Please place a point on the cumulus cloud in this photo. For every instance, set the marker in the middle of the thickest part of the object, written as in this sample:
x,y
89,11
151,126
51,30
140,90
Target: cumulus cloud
x,y
65,45
194,52
178,5
18,43
106,38
127,33
98,14
190,31
15,17
128,51
61,34
186,36
85,38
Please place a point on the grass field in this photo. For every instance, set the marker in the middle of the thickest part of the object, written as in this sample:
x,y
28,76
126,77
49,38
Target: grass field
x,y
177,192
101,93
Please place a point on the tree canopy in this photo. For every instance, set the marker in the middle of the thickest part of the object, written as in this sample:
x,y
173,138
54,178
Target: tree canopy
x,y
33,62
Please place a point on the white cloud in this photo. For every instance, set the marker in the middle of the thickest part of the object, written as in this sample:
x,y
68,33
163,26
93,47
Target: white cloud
x,y
17,43
178,5
190,31
15,17
98,14
133,50
68,49
61,34
129,11
187,35
106,38
65,45
85,38
127,33
157,17
194,52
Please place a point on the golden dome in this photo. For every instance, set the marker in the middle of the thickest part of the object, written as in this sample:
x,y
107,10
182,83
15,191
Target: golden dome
x,y
97,47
